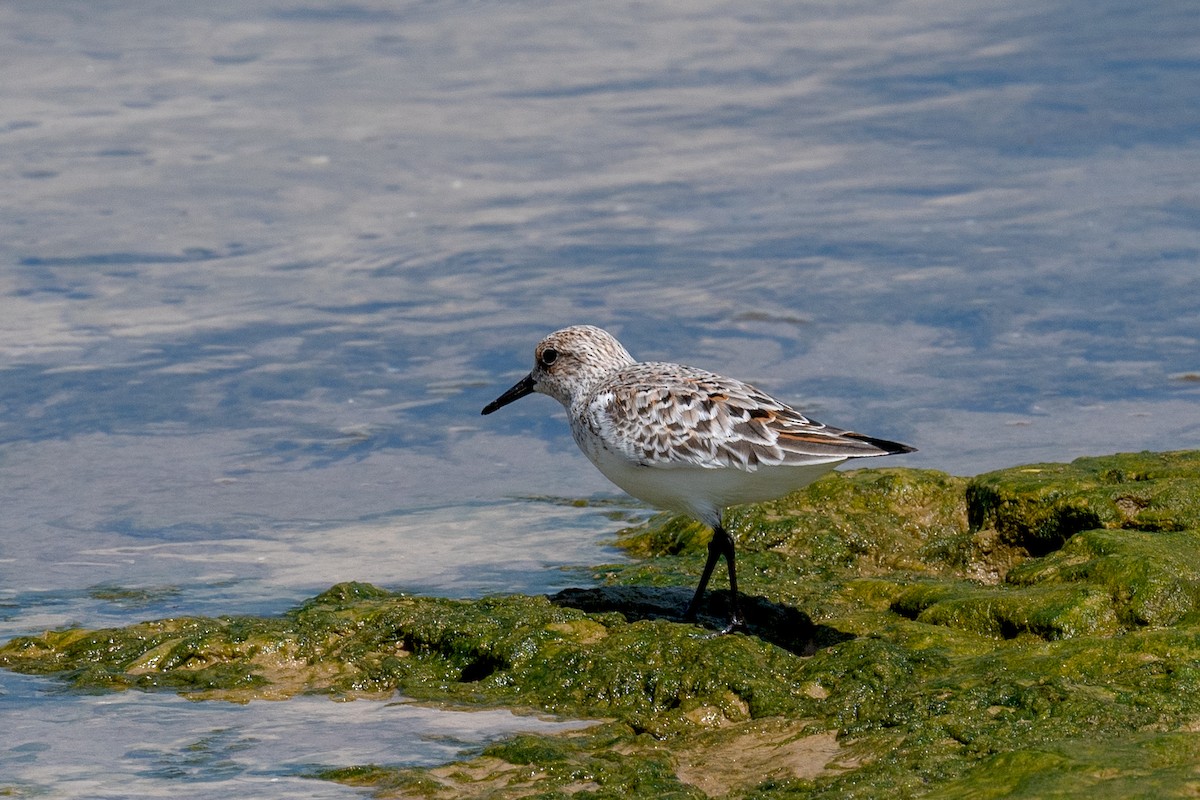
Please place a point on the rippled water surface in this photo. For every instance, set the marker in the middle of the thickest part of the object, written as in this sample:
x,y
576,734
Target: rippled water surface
x,y
261,264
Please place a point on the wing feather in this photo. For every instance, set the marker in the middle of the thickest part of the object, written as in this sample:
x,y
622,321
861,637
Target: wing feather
x,y
668,415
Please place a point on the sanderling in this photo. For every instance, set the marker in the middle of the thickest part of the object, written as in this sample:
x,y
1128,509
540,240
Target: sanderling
x,y
684,439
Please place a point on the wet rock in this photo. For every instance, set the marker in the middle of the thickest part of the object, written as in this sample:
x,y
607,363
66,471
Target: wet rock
x,y
1040,506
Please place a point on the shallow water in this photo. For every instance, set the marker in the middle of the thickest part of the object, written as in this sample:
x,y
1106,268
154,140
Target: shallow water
x,y
262,264
161,745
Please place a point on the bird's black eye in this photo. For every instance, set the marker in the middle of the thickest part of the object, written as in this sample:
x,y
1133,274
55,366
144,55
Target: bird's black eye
x,y
548,356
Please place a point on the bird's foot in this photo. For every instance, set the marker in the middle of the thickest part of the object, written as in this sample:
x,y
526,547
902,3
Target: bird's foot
x,y
735,623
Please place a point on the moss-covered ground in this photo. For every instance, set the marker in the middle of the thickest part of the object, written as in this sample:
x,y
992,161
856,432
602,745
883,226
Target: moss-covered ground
x,y
1029,633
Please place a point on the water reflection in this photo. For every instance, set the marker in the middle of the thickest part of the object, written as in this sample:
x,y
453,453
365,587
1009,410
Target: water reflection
x,y
263,263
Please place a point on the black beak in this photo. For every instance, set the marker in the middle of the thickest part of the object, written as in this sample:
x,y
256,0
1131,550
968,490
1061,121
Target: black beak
x,y
523,387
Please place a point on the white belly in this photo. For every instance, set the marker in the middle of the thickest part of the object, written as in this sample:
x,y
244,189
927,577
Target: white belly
x,y
705,492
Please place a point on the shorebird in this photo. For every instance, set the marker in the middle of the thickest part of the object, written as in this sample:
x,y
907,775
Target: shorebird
x,y
684,439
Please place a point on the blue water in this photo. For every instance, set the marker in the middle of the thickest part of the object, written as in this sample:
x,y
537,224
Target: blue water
x,y
261,264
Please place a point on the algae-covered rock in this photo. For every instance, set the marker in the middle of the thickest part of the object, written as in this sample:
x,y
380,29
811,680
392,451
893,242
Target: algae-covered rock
x,y
1092,547
1032,632
1150,578
870,520
605,761
355,639
1050,612
1139,766
1040,506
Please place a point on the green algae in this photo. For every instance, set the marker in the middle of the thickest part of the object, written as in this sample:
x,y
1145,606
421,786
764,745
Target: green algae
x,y
1032,632
598,763
1040,506
356,639
1150,578
1049,612
1140,766
133,597
867,520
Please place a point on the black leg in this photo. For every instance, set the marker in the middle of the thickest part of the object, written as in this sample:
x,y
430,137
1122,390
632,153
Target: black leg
x,y
715,549
735,607
720,545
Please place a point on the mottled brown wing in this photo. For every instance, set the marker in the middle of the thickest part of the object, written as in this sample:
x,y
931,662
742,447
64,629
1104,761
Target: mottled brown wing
x,y
669,415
